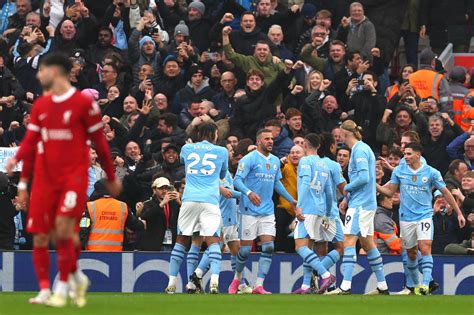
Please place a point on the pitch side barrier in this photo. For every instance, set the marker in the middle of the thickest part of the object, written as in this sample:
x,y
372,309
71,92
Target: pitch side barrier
x,y
147,272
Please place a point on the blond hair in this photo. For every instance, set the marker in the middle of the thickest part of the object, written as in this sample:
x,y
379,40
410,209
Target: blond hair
x,y
351,126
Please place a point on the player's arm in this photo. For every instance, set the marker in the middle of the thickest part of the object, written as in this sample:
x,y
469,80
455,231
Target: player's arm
x,y
452,202
281,190
225,164
242,172
362,177
328,190
388,189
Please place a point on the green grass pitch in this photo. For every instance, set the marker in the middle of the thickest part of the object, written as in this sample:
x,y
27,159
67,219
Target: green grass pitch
x,y
161,304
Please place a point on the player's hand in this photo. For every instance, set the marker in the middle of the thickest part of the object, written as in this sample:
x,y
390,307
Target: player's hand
x,y
299,214
461,221
225,192
11,163
325,224
255,199
114,187
23,198
343,207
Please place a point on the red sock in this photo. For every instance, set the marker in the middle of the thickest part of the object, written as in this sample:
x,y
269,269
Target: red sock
x,y
77,252
66,256
41,265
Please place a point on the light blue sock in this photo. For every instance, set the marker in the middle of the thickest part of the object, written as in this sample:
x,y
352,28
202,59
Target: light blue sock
x,y
265,260
177,257
192,259
420,261
331,259
215,258
427,266
376,263
233,262
412,267
307,270
311,259
408,279
242,257
348,261
204,263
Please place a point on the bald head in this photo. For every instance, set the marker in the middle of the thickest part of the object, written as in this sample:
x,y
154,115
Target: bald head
x,y
296,153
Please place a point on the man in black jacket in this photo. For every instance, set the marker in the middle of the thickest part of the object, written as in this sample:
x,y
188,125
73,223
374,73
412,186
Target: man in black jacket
x,y
7,213
161,214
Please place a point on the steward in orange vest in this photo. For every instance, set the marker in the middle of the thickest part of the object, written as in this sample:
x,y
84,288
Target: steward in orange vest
x,y
104,221
427,82
405,73
459,93
385,229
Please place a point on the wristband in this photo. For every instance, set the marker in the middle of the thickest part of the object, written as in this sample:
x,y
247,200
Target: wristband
x,y
249,192
22,186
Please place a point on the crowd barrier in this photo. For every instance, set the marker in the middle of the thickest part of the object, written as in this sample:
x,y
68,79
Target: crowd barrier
x,y
147,272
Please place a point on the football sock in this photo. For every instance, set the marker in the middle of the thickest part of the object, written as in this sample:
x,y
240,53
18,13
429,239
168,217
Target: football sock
x,y
348,262
41,265
408,278
330,259
192,259
66,254
376,263
264,262
177,257
242,257
215,258
312,259
307,270
427,267
412,267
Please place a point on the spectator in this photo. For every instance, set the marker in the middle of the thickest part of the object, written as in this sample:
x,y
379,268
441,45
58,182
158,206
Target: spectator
x,y
395,89
303,27
171,79
95,172
318,49
199,27
442,130
187,115
160,213
413,27
343,156
171,166
294,123
357,31
467,246
224,101
97,52
262,59
389,133
265,18
197,88
465,141
282,144
284,212
322,111
465,195
104,222
459,93
167,128
456,171
275,34
426,80
18,20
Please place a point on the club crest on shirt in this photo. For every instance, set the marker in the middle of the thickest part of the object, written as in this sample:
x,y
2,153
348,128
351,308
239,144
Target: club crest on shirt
x,y
414,178
424,179
67,117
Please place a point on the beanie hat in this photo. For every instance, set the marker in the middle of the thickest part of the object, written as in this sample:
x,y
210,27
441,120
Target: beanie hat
x,y
458,74
145,39
198,5
168,59
181,29
195,68
426,56
308,10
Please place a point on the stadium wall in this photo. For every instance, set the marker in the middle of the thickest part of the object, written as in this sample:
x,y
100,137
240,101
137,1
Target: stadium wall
x,y
147,272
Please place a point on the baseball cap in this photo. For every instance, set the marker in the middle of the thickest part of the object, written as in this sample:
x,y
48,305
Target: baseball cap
x,y
161,182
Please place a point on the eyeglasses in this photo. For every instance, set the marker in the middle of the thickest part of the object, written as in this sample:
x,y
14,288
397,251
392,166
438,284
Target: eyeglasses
x,y
319,34
107,71
469,147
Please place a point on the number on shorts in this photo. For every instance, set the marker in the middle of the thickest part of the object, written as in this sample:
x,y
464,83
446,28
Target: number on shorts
x,y
70,200
207,160
348,219
425,226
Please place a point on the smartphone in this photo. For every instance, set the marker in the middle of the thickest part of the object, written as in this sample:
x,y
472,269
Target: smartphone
x,y
149,77
154,31
171,188
360,82
213,55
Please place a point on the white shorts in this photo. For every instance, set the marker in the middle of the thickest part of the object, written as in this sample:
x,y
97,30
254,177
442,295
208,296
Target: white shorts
x,y
199,216
412,232
312,228
359,222
252,226
230,233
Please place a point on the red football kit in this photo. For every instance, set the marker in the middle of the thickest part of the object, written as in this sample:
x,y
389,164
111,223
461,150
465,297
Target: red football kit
x,y
58,133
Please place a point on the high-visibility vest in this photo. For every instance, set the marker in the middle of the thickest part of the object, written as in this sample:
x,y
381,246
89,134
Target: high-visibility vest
x,y
108,217
426,83
458,107
390,241
391,91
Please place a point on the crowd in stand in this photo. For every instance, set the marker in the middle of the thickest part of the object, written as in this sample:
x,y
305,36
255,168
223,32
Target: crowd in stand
x,y
160,68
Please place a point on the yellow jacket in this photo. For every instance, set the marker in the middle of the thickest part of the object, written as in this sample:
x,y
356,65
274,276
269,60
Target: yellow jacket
x,y
289,181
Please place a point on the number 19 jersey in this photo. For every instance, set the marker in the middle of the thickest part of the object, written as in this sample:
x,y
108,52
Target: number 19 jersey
x,y
205,164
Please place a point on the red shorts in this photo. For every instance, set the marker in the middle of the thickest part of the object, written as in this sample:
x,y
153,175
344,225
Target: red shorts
x,y
48,201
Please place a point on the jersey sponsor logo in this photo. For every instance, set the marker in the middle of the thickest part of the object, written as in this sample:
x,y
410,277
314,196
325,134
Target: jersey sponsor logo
x,y
56,134
361,159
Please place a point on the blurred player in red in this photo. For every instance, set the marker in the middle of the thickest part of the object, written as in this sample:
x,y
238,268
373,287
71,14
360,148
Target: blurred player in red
x,y
60,127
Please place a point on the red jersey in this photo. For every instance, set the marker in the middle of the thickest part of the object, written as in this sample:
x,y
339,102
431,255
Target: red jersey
x,y
59,130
